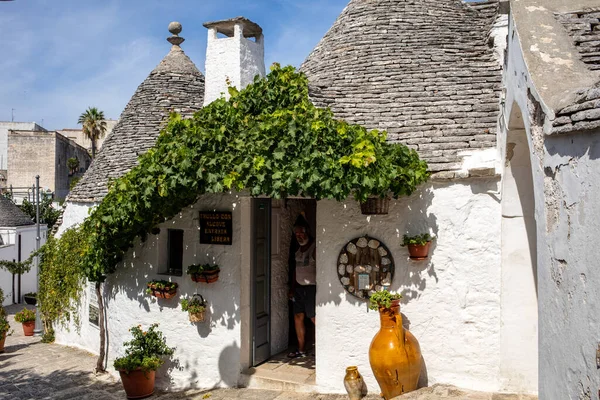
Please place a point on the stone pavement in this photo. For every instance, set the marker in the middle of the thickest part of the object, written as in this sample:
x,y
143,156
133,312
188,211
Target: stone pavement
x,y
33,370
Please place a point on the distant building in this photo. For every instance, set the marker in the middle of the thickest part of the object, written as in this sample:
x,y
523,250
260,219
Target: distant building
x,y
43,153
5,126
81,139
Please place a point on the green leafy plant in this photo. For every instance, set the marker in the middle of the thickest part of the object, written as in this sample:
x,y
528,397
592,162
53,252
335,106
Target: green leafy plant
x,y
25,315
144,351
61,279
48,336
72,164
15,267
48,214
73,182
4,326
382,299
161,285
193,305
200,268
418,239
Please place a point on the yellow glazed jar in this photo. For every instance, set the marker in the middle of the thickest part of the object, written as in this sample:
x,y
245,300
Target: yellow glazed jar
x,y
354,384
395,354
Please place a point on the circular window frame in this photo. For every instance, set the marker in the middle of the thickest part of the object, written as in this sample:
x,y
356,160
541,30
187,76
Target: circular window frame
x,y
377,273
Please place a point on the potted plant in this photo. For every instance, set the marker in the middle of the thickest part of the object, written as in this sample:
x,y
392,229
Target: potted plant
x,y
195,307
30,298
206,273
27,318
162,289
418,246
142,358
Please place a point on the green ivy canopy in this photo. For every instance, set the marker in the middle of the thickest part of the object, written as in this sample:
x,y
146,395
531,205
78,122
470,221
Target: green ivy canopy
x,y
267,139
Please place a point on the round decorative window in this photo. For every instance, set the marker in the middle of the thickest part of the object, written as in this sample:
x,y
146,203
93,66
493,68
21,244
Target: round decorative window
x,y
365,265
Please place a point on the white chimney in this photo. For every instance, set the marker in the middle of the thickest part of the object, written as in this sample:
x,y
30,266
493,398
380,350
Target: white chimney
x,y
237,55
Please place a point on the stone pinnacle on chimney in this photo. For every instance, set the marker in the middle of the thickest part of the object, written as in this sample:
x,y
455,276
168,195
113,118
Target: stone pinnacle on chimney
x,y
175,28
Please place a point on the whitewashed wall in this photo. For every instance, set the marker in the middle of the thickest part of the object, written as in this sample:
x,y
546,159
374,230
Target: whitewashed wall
x,y
565,170
10,253
451,302
208,354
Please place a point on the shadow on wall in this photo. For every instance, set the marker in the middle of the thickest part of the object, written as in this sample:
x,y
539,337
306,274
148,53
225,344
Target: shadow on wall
x,y
130,279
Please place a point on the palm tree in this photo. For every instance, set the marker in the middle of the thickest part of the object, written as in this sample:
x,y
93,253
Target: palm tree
x,y
94,126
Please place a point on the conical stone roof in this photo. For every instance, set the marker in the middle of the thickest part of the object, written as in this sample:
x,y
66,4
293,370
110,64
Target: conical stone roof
x,y
174,85
420,69
11,215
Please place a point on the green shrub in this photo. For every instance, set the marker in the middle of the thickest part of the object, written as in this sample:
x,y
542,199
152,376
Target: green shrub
x,y
144,351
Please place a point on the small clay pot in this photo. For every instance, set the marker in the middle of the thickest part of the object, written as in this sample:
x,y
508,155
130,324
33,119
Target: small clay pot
x,y
28,328
419,251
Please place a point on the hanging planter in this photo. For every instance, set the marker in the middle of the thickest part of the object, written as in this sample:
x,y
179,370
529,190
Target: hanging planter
x,y
162,289
375,206
195,307
205,273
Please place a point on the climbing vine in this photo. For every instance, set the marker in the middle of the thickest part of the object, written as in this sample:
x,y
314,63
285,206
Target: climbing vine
x,y
268,139
61,279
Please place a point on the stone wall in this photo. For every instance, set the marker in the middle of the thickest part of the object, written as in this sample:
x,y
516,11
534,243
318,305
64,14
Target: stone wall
x,y
45,154
32,153
4,128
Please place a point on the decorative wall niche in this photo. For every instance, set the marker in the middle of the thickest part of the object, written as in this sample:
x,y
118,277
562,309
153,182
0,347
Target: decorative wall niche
x,y
365,265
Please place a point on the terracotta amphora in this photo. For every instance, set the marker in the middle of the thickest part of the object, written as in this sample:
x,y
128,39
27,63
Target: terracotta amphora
x,y
395,355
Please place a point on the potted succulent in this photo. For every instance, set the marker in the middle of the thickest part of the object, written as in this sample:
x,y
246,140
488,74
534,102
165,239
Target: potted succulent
x,y
30,298
206,273
142,358
418,246
162,289
195,307
27,318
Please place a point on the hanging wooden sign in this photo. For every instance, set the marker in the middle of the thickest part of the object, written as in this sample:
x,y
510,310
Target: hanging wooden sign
x,y
216,227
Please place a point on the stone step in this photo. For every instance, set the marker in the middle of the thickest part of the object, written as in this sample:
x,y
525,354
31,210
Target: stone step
x,y
279,381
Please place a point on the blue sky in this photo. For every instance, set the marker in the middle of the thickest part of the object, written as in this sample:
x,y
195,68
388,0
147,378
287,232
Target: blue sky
x,y
57,57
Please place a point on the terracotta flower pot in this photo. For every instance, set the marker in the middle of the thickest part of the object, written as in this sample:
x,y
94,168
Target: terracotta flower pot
x,y
419,251
2,340
206,277
138,384
161,294
28,328
395,355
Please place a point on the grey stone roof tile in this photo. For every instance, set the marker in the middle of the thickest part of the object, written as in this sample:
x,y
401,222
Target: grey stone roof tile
x,y
11,215
420,69
174,85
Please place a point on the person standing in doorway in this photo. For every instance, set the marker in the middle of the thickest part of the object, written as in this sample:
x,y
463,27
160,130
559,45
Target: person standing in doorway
x,y
303,285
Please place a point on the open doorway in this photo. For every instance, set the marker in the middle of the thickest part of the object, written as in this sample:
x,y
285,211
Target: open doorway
x,y
283,248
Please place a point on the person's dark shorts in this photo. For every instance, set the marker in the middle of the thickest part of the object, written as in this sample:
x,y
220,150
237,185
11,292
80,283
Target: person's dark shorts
x,y
304,297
